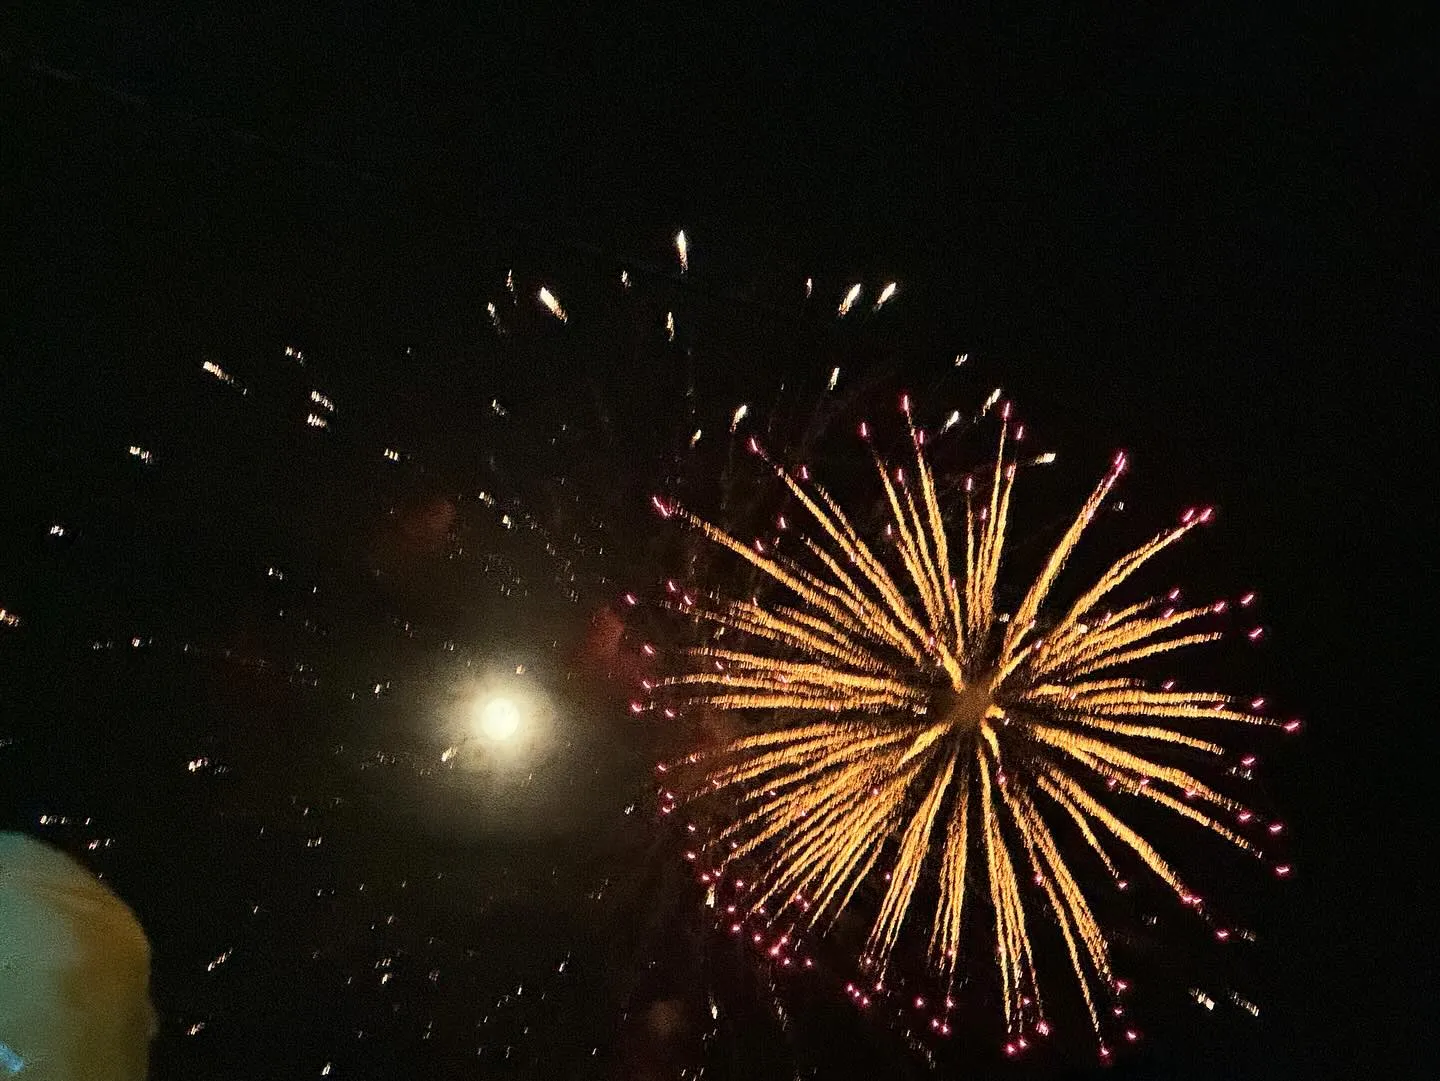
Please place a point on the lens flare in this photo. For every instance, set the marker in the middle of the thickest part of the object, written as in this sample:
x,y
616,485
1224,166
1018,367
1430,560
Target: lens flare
x,y
499,719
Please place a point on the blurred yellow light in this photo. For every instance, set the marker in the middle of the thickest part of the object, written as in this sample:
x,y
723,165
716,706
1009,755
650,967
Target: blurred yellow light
x,y
499,718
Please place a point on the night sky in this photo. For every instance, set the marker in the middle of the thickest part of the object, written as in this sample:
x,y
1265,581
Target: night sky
x,y
1193,234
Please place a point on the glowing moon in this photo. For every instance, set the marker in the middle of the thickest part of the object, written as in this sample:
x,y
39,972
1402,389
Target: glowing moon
x,y
499,718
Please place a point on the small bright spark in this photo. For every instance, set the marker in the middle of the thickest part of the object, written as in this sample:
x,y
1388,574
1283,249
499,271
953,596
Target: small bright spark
x,y
548,299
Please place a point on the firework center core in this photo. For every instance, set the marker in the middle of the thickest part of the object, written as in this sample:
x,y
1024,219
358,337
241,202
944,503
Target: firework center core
x,y
966,707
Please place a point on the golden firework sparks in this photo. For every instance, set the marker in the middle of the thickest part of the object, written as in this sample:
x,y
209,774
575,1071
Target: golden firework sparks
x,y
552,304
907,722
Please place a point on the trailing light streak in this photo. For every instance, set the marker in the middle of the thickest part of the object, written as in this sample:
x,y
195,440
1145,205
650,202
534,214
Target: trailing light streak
x,y
886,294
849,300
547,298
682,249
910,726
211,368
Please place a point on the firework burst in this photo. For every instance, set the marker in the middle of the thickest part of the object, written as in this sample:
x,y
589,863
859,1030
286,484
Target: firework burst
x,y
906,719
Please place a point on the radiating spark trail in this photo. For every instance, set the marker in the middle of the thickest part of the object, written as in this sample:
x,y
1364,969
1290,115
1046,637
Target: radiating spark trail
x,y
547,298
885,295
907,724
682,249
849,300
211,368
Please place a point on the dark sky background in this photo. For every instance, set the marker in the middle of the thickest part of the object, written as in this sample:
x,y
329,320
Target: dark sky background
x,y
1197,234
